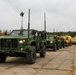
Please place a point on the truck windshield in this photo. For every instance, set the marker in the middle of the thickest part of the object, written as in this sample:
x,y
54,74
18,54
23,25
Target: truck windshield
x,y
51,37
17,32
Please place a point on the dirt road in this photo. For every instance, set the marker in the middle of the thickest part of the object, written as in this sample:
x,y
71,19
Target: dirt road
x,y
61,62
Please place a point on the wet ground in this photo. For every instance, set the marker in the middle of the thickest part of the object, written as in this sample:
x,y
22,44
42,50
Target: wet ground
x,y
61,62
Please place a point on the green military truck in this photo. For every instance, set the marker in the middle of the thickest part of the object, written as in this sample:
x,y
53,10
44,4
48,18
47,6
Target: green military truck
x,y
18,44
52,42
23,43
61,42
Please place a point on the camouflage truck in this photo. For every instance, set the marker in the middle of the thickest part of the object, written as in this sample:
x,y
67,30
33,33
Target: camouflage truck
x,y
52,42
23,43
61,42
67,40
73,40
17,44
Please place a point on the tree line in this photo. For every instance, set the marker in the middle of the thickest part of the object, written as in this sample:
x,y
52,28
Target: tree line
x,y
71,33
4,32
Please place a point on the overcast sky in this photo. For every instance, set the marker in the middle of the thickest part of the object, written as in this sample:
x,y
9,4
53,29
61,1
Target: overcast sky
x,y
60,14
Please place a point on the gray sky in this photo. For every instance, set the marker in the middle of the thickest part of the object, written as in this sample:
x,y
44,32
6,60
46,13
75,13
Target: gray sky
x,y
60,14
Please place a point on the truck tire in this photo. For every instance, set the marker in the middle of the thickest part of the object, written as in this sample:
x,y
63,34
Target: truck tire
x,y
54,48
42,51
57,47
2,58
31,56
63,45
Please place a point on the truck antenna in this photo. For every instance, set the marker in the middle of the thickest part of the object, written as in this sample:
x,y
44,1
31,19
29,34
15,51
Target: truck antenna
x,y
22,14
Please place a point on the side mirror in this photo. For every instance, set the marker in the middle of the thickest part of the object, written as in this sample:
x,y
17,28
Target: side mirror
x,y
43,35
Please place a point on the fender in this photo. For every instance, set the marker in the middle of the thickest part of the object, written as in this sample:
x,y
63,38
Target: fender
x,y
43,42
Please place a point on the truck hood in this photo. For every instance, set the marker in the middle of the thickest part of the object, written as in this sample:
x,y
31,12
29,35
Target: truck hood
x,y
50,40
13,37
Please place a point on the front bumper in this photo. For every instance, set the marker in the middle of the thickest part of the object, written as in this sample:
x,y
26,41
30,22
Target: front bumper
x,y
50,46
12,51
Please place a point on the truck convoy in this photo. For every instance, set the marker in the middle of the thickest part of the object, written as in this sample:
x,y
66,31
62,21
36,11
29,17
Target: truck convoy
x,y
27,42
55,42
67,40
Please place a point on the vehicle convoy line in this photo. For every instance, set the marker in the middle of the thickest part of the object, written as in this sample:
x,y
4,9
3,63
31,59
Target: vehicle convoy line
x,y
28,42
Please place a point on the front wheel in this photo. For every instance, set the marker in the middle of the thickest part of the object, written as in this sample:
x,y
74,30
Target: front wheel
x,y
2,58
31,56
57,47
54,48
63,45
42,51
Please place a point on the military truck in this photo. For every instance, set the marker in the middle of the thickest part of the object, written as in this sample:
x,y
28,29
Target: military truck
x,y
52,42
23,43
17,44
62,42
73,40
67,39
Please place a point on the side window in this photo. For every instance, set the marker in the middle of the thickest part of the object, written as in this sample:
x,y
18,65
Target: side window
x,y
43,35
36,34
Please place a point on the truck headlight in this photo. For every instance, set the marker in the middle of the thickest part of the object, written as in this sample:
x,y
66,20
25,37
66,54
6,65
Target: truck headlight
x,y
21,49
24,40
20,41
51,41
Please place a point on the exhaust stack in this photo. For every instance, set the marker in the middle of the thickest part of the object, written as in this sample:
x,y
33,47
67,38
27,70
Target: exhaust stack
x,y
28,23
45,22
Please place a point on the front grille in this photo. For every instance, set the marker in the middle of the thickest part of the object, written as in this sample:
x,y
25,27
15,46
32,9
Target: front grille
x,y
14,43
9,43
3,43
